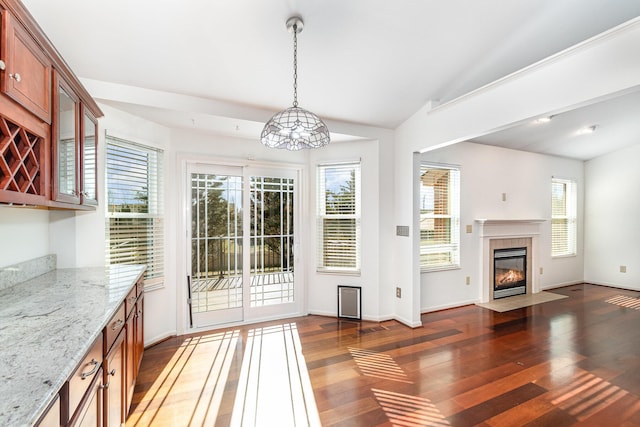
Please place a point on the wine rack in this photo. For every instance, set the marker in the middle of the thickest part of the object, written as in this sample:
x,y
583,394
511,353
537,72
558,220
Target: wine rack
x,y
20,159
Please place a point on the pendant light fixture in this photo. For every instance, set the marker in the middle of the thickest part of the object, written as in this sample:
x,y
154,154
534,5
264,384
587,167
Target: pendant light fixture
x,y
295,128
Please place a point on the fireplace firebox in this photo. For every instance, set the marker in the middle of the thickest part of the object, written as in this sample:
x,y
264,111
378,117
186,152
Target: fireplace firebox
x,y
509,272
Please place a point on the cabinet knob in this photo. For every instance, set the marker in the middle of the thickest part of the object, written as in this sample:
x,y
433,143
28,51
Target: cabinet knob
x,y
3,66
16,77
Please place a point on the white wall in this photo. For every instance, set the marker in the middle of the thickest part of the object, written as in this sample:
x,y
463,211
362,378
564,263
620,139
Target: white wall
x,y
612,210
525,178
323,286
159,303
583,74
320,288
24,234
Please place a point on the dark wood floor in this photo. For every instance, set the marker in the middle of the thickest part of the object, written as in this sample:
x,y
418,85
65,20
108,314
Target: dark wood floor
x,y
573,361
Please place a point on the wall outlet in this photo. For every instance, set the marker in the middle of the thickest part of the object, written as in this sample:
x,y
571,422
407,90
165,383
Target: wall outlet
x,y
398,292
469,228
504,197
541,270
468,281
623,269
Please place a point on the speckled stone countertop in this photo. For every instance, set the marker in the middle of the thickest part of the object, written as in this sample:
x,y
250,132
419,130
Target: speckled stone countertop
x,y
47,324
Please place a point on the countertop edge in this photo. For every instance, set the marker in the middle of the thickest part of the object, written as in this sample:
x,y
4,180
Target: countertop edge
x,y
87,280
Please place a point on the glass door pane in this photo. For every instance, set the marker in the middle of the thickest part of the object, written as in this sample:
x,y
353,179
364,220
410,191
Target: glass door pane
x,y
216,248
272,240
66,145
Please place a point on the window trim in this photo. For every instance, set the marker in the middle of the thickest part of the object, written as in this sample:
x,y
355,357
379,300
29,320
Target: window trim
x,y
321,215
571,215
155,206
454,215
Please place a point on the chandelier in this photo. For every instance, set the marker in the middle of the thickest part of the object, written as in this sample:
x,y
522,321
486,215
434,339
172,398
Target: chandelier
x,y
295,128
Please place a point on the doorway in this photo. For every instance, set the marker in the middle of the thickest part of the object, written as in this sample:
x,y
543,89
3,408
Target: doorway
x,y
241,259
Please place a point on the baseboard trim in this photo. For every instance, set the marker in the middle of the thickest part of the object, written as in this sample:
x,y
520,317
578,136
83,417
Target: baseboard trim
x,y
448,306
561,285
611,285
159,338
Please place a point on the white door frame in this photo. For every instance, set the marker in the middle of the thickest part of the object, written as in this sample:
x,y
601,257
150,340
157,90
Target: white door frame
x,y
301,227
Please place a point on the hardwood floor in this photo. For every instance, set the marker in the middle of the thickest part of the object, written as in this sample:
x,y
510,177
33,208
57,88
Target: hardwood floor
x,y
573,361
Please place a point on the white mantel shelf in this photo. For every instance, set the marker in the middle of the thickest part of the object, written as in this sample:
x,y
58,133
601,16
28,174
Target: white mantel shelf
x,y
508,227
508,221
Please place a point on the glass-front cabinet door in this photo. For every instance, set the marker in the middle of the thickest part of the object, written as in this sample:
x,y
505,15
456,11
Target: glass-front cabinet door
x,y
66,143
89,155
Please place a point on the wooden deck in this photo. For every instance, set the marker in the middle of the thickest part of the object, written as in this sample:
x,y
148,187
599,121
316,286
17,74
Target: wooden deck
x,y
573,361
231,282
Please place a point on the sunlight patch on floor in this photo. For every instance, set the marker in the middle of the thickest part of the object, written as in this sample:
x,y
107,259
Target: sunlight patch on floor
x,y
587,395
624,301
274,386
189,389
409,411
379,365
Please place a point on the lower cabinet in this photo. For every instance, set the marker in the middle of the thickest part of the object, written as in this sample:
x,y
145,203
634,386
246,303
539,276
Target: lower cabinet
x,y
130,329
90,413
114,381
100,390
139,344
87,375
51,417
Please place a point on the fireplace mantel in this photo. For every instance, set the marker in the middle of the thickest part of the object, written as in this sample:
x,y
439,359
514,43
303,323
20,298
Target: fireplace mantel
x,y
508,227
508,221
494,230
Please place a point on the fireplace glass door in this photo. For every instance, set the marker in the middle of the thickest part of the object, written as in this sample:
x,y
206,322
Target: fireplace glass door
x,y
509,272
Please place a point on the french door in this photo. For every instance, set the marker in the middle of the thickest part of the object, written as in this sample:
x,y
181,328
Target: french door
x,y
241,261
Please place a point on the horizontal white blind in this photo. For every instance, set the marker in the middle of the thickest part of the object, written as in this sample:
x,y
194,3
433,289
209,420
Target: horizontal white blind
x,y
439,216
135,229
338,216
563,217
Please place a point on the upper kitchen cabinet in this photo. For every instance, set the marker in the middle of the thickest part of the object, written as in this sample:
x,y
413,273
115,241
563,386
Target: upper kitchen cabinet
x,y
66,143
27,70
48,120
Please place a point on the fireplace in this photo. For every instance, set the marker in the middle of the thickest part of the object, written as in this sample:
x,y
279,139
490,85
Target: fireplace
x,y
508,234
509,272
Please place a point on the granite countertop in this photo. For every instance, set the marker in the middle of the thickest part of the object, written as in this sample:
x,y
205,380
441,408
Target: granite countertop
x,y
47,324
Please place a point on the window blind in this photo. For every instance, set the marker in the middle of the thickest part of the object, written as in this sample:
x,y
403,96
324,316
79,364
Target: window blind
x,y
338,216
135,223
439,216
563,217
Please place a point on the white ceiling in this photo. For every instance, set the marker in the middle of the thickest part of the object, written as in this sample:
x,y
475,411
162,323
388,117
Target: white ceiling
x,y
371,62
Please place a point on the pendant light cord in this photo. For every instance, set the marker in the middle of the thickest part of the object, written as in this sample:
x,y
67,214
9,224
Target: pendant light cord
x,y
295,65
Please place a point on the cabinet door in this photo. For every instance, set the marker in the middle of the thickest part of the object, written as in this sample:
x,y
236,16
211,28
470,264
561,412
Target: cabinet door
x,y
27,78
66,143
114,384
90,413
139,332
89,171
51,418
130,329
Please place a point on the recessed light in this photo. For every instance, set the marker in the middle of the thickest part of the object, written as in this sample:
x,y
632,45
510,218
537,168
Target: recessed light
x,y
587,130
546,119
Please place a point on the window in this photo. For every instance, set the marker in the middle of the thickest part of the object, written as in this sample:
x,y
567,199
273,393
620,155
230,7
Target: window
x,y
563,217
135,225
338,216
439,217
